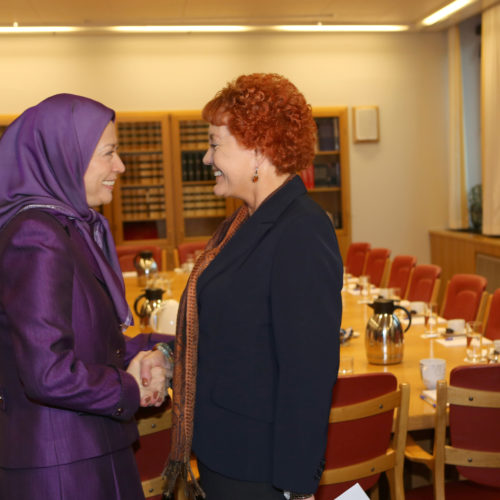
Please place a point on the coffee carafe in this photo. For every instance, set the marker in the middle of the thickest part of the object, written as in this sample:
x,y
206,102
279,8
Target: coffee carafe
x,y
145,304
384,339
146,266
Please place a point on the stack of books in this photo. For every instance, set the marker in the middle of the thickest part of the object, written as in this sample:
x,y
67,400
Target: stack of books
x,y
200,201
140,135
194,134
143,203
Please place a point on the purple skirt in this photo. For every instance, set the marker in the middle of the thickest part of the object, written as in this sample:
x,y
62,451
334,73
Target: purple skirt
x,y
110,477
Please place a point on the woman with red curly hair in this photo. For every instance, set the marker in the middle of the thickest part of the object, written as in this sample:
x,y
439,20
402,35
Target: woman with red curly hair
x,y
257,344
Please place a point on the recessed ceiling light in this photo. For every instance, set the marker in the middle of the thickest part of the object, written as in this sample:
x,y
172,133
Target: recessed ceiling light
x,y
179,29
36,29
342,27
446,11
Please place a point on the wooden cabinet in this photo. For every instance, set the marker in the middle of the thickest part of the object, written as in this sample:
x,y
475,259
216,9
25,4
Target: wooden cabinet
x,y
328,178
198,211
143,206
459,252
166,194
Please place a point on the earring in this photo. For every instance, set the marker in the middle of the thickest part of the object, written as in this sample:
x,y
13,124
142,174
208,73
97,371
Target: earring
x,y
255,177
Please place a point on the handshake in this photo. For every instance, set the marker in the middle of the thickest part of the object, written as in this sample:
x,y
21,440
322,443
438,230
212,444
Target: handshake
x,y
152,371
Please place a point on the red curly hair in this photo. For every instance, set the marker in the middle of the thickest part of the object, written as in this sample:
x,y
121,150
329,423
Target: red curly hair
x,y
265,111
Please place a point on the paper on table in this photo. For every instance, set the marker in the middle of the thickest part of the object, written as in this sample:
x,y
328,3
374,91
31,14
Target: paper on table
x,y
458,341
129,274
429,395
453,341
353,493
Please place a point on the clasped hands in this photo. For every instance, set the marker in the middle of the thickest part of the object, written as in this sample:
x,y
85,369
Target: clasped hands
x,y
153,373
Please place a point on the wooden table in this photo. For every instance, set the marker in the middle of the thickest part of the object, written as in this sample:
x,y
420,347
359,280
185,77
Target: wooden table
x,y
421,413
356,315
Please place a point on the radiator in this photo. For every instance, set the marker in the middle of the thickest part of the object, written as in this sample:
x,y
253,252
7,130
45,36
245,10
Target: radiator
x,y
489,267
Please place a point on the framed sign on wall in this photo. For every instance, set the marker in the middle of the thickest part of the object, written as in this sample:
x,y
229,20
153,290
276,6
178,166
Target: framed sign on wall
x,y
365,124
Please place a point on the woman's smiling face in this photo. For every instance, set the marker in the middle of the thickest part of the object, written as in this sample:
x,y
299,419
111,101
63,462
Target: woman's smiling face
x,y
233,164
104,168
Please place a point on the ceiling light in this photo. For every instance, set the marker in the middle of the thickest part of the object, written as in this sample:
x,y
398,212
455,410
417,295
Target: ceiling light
x,y
36,29
179,29
342,27
446,11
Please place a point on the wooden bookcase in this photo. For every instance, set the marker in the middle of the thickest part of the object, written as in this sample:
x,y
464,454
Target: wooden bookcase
x,y
166,195
198,212
328,180
142,210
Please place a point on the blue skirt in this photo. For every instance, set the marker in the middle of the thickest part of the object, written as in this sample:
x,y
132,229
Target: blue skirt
x,y
110,477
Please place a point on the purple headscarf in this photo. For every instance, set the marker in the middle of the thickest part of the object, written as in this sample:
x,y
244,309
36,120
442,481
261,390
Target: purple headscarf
x,y
44,154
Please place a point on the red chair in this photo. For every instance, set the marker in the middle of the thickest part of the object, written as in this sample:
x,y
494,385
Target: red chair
x,y
424,283
356,258
359,434
492,316
151,451
401,269
127,253
473,397
376,264
464,297
184,249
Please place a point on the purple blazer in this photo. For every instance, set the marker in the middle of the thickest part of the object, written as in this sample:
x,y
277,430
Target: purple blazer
x,y
64,394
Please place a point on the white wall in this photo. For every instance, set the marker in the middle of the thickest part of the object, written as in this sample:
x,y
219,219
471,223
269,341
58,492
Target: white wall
x,y
398,186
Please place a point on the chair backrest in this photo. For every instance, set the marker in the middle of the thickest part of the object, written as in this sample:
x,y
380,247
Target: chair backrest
x,y
127,253
492,316
151,451
463,296
359,434
473,396
376,263
399,276
424,283
356,258
184,249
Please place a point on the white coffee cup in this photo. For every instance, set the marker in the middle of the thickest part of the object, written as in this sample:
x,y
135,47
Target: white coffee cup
x,y
457,325
496,343
164,318
418,307
432,370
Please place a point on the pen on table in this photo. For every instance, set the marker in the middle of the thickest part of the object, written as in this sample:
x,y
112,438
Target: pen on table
x,y
427,399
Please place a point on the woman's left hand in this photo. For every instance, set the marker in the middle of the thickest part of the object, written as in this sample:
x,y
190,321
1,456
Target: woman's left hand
x,y
151,360
154,392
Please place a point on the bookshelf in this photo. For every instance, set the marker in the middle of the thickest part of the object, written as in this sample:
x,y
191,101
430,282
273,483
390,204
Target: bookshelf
x,y
142,210
198,210
166,195
327,179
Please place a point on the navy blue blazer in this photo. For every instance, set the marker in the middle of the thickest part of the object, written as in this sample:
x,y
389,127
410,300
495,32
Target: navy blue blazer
x,y
269,313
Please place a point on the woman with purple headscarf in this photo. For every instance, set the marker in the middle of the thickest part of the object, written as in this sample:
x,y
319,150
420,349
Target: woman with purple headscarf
x,y
66,401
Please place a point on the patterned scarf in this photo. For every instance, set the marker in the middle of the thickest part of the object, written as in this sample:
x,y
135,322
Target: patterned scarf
x,y
186,360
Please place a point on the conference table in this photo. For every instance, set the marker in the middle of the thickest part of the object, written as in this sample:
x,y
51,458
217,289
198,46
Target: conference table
x,y
356,313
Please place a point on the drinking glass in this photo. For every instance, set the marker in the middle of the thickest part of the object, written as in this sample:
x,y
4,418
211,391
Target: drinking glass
x,y
346,365
363,285
430,318
474,350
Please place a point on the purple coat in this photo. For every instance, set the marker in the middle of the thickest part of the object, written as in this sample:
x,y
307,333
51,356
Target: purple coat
x,y
64,394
